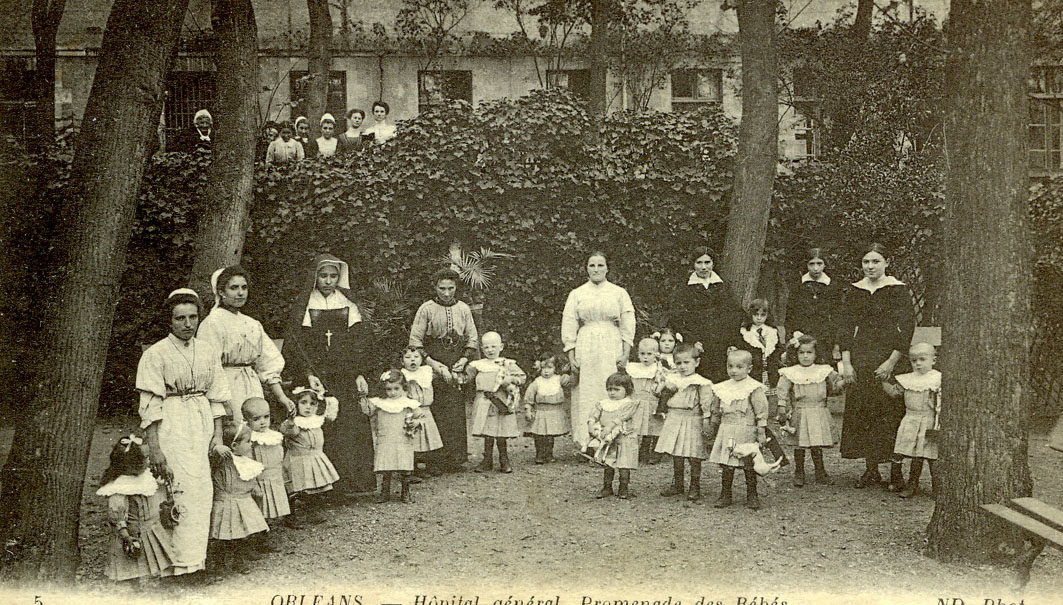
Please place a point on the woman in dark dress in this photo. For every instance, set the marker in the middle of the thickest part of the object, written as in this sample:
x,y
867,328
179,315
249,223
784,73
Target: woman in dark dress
x,y
878,321
326,342
445,329
813,308
705,311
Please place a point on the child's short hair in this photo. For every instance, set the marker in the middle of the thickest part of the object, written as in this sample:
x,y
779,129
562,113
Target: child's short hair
x,y
127,458
741,354
549,357
253,406
755,305
412,349
393,377
685,348
231,430
620,379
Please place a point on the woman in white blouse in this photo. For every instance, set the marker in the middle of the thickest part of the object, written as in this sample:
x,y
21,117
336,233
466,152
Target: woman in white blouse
x,y
597,329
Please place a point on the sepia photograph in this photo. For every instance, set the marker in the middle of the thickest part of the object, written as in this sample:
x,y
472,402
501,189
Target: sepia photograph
x,y
531,302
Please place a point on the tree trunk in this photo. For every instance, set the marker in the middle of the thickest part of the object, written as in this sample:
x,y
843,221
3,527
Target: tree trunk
x,y
45,470
861,30
986,327
758,136
223,219
320,61
598,58
46,17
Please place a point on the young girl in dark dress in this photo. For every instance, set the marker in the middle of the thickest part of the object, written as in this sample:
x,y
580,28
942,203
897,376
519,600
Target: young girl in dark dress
x,y
813,309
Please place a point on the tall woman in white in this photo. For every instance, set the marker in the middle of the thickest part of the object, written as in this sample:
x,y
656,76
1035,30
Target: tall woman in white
x,y
597,329
248,354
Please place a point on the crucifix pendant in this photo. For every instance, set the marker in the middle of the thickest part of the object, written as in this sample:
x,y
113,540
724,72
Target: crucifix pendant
x,y
328,338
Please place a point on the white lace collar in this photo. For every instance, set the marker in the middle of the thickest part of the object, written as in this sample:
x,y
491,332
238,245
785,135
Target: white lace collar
x,y
336,300
813,374
641,370
708,281
247,468
490,365
822,279
885,280
422,375
394,406
771,338
612,405
266,437
730,390
143,484
548,387
308,423
931,381
695,379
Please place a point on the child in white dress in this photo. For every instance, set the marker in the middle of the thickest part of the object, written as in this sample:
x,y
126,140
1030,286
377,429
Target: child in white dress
x,y
396,421
419,387
916,435
544,406
616,440
497,381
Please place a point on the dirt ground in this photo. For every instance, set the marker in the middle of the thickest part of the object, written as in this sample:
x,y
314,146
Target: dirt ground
x,y
540,532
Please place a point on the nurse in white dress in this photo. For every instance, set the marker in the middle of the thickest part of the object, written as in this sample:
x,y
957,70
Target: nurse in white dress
x,y
597,329
248,355
183,392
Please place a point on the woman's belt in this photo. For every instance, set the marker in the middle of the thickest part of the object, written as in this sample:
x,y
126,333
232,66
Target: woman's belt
x,y
186,394
238,365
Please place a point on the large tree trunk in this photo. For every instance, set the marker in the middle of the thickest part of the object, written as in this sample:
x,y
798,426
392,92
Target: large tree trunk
x,y
320,61
862,24
986,328
45,471
46,17
758,141
599,66
223,219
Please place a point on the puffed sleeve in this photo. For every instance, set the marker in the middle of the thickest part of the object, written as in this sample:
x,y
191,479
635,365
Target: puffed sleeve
x,y
420,326
270,362
759,400
289,428
705,397
117,511
893,389
529,395
151,384
782,390
570,322
835,384
218,390
905,318
627,318
367,406
710,404
299,153
271,151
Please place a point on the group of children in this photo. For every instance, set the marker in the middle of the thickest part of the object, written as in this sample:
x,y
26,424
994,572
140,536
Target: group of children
x,y
659,404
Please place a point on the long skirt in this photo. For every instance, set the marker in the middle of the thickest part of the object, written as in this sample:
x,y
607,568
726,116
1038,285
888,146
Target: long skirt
x,y
185,431
448,408
349,439
869,426
598,346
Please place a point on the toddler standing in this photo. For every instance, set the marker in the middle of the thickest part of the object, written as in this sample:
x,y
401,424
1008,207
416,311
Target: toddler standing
x,y
681,436
309,471
140,545
740,406
396,421
266,448
916,436
647,378
612,423
544,405
235,515
497,381
419,388
803,391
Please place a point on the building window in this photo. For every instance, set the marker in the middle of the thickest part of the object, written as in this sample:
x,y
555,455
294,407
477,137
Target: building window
x,y
186,93
336,104
16,96
576,81
438,87
806,106
1045,125
692,88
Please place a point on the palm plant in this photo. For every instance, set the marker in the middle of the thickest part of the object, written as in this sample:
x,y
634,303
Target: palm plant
x,y
476,270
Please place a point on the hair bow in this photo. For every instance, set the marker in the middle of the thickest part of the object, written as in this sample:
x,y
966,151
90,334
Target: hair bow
x,y
538,365
699,348
239,429
130,440
656,335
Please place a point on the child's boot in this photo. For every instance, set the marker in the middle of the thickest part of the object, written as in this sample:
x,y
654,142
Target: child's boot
x,y
607,483
540,455
727,475
676,489
752,498
821,471
385,488
912,487
896,483
405,496
655,456
548,447
643,454
625,480
488,461
503,456
775,448
694,493
799,467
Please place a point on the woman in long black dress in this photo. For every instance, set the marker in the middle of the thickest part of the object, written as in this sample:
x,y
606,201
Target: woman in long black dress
x,y
326,342
878,321
445,329
705,311
813,308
